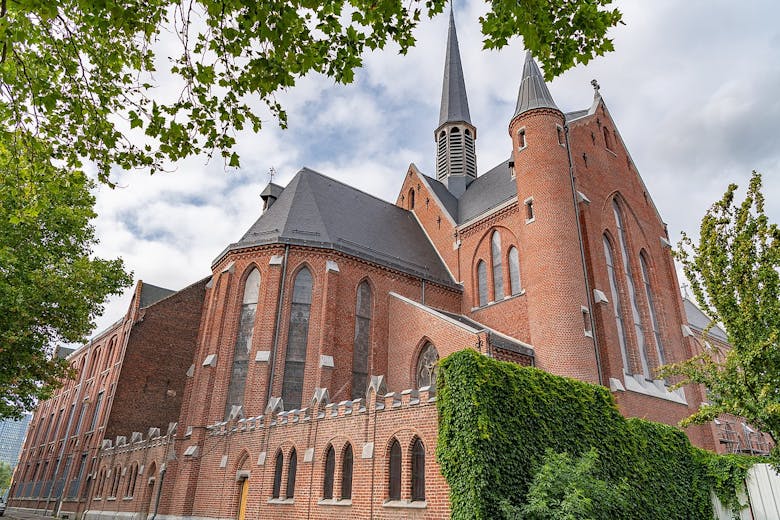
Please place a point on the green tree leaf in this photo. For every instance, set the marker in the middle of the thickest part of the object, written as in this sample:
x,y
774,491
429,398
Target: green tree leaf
x,y
72,72
51,287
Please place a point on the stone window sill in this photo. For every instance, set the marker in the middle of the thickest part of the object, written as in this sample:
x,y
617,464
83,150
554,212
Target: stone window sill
x,y
653,388
406,504
281,501
502,300
110,499
334,502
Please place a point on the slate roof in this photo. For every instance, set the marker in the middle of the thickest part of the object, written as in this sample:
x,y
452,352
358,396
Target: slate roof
x,y
454,104
533,91
486,191
317,211
151,294
700,321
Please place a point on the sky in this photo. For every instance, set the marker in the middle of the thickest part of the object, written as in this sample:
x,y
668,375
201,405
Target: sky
x,y
694,88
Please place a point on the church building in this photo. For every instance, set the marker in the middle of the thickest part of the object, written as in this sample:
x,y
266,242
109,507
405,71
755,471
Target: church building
x,y
311,392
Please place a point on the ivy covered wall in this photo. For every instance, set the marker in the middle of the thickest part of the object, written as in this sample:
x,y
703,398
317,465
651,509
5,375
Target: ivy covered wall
x,y
497,419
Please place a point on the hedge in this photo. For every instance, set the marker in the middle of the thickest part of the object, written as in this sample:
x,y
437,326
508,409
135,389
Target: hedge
x,y
497,419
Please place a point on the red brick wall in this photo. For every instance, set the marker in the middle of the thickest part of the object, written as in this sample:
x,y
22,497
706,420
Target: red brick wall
x,y
159,352
331,325
403,416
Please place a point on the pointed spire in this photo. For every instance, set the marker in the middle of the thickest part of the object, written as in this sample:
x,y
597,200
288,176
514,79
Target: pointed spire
x,y
454,104
533,90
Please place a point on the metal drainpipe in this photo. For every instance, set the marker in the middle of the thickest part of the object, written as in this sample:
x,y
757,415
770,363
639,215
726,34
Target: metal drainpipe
x,y
159,493
423,292
582,257
279,308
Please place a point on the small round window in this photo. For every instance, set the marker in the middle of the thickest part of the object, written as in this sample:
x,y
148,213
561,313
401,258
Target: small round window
x,y
427,366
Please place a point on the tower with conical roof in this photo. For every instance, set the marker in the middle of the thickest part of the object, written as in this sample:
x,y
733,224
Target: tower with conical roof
x,y
551,260
456,159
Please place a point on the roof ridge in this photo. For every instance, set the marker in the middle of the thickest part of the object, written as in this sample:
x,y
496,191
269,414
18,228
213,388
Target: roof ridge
x,y
315,172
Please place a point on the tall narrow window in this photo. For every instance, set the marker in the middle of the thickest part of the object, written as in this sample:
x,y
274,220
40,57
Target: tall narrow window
x,y
115,483
651,305
530,216
394,472
131,477
640,335
109,353
297,340
330,468
246,327
482,287
521,139
411,198
427,365
96,412
514,270
277,487
94,363
83,411
101,480
498,269
607,140
346,473
292,468
617,305
418,470
362,342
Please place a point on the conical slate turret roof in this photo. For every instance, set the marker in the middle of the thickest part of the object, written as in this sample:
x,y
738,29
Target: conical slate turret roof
x,y
454,104
533,90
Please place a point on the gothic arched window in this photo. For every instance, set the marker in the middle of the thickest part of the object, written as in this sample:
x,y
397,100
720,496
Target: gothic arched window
x,y
246,326
394,472
651,306
330,468
418,470
640,335
297,340
427,365
514,271
362,341
277,488
617,304
482,287
411,198
498,271
292,468
346,473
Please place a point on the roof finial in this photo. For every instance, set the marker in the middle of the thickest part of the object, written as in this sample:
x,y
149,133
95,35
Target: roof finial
x,y
271,173
596,89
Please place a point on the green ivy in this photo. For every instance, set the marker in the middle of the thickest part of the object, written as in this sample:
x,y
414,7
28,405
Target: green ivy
x,y
497,420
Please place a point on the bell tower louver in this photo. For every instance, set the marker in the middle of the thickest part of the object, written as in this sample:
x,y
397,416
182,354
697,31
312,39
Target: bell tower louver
x,y
456,159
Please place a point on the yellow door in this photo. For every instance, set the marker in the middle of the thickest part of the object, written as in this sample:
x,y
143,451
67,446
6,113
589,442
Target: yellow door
x,y
242,498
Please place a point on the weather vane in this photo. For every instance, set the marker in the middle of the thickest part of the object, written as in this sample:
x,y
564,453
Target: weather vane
x,y
271,173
